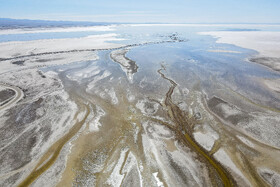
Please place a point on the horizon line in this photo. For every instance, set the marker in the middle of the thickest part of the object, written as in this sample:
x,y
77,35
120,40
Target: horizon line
x,y
46,20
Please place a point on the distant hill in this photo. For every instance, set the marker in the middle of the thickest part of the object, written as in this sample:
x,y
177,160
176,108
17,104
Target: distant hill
x,y
25,23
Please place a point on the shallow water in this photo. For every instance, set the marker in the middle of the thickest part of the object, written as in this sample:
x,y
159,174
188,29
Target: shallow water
x,y
142,122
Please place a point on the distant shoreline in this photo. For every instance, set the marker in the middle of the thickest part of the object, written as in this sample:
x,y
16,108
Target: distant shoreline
x,y
267,44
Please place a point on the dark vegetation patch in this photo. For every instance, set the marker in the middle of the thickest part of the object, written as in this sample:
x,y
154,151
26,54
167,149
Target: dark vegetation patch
x,y
17,154
6,94
19,117
267,61
41,74
11,180
215,104
47,60
19,62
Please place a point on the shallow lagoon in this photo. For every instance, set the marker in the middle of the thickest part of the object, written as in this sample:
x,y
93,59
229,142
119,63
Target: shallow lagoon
x,y
134,130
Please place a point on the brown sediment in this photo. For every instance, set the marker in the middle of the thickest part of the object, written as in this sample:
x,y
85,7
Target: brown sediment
x,y
216,147
184,130
255,177
109,139
171,127
123,164
156,101
170,145
241,160
53,152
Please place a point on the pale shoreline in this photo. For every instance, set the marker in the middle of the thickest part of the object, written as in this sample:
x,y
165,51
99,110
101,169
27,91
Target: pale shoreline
x,y
267,44
20,48
56,29
17,52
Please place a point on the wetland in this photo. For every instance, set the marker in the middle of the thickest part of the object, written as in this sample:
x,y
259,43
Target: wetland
x,y
145,105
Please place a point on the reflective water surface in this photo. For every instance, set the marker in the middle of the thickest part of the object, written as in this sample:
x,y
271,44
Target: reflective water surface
x,y
170,108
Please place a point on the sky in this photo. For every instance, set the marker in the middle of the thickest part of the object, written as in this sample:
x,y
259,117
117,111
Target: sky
x,y
145,11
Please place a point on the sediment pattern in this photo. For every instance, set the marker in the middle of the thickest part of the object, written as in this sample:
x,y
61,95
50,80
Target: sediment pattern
x,y
108,120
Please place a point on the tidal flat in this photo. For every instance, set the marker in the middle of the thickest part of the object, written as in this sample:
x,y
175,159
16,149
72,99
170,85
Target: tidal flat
x,y
137,105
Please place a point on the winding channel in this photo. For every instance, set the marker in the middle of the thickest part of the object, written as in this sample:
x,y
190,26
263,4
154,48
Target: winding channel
x,y
183,130
18,95
53,152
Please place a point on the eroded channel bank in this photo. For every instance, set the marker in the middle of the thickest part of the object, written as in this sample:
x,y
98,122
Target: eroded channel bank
x,y
184,130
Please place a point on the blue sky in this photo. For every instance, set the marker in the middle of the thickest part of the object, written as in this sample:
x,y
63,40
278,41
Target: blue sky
x,y
176,11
